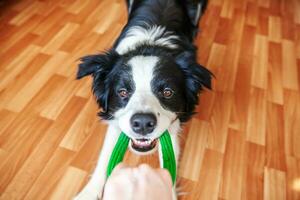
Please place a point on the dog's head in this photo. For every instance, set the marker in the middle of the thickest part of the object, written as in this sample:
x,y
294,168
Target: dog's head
x,y
143,94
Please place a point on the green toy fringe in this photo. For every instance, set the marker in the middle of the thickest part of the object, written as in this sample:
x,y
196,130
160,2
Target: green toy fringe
x,y
120,148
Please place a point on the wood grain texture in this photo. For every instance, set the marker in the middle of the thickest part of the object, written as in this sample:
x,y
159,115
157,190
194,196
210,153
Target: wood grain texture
x,y
244,143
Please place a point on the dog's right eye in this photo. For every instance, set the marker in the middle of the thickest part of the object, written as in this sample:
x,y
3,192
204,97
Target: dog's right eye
x,y
123,93
168,93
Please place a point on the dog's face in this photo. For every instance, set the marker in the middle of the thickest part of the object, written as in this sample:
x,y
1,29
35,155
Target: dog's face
x,y
144,94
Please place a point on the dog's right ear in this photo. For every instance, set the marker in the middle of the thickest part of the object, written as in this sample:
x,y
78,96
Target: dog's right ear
x,y
88,65
99,66
99,63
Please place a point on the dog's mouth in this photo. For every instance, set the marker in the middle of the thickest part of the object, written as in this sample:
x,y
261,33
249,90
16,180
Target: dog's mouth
x,y
143,145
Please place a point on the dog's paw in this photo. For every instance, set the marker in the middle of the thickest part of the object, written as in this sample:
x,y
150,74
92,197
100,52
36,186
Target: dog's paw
x,y
87,195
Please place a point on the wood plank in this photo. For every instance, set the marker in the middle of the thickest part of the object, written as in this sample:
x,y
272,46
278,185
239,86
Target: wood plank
x,y
275,83
291,125
233,166
6,118
211,172
275,157
252,13
195,145
260,63
257,113
289,64
40,185
253,183
292,178
72,179
220,115
274,184
275,34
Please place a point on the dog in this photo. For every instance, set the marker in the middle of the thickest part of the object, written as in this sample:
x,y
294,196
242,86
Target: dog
x,y
149,81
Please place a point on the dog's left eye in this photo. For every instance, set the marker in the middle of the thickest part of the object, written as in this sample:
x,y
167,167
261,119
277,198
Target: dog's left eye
x,y
168,93
123,93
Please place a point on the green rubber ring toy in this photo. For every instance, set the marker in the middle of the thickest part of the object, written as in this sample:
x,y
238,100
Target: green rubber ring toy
x,y
120,148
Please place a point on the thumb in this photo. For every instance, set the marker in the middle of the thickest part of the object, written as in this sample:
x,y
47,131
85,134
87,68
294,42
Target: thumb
x,y
166,177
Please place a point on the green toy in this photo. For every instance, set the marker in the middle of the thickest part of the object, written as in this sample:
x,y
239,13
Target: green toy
x,y
120,148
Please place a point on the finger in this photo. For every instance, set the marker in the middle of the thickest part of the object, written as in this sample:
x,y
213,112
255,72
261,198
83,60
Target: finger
x,y
165,175
144,167
146,170
119,167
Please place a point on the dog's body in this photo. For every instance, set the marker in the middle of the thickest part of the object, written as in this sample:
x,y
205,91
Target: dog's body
x,y
149,81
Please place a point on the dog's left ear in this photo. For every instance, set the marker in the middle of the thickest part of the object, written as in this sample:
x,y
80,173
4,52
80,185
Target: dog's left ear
x,y
197,76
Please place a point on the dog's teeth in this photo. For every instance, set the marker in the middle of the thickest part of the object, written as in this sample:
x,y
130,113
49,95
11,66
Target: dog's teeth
x,y
143,142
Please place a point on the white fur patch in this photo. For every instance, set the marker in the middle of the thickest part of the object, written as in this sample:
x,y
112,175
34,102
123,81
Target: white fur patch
x,y
130,5
152,35
143,100
198,14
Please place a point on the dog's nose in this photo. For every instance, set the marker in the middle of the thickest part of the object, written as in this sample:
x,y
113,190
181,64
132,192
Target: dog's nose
x,y
143,123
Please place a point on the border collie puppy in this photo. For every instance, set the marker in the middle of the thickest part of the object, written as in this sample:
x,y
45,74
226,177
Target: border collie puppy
x,y
148,81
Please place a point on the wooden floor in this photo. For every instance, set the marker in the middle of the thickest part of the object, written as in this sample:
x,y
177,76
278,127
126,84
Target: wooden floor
x,y
243,144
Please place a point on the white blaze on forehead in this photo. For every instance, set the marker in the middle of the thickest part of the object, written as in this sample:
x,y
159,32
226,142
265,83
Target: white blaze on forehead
x,y
142,72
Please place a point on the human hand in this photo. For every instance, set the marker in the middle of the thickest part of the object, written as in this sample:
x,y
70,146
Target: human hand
x,y
138,183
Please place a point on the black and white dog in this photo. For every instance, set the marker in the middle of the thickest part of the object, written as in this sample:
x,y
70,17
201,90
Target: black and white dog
x,y
148,81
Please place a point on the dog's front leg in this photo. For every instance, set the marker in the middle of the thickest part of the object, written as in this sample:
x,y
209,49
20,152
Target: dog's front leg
x,y
174,139
94,188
